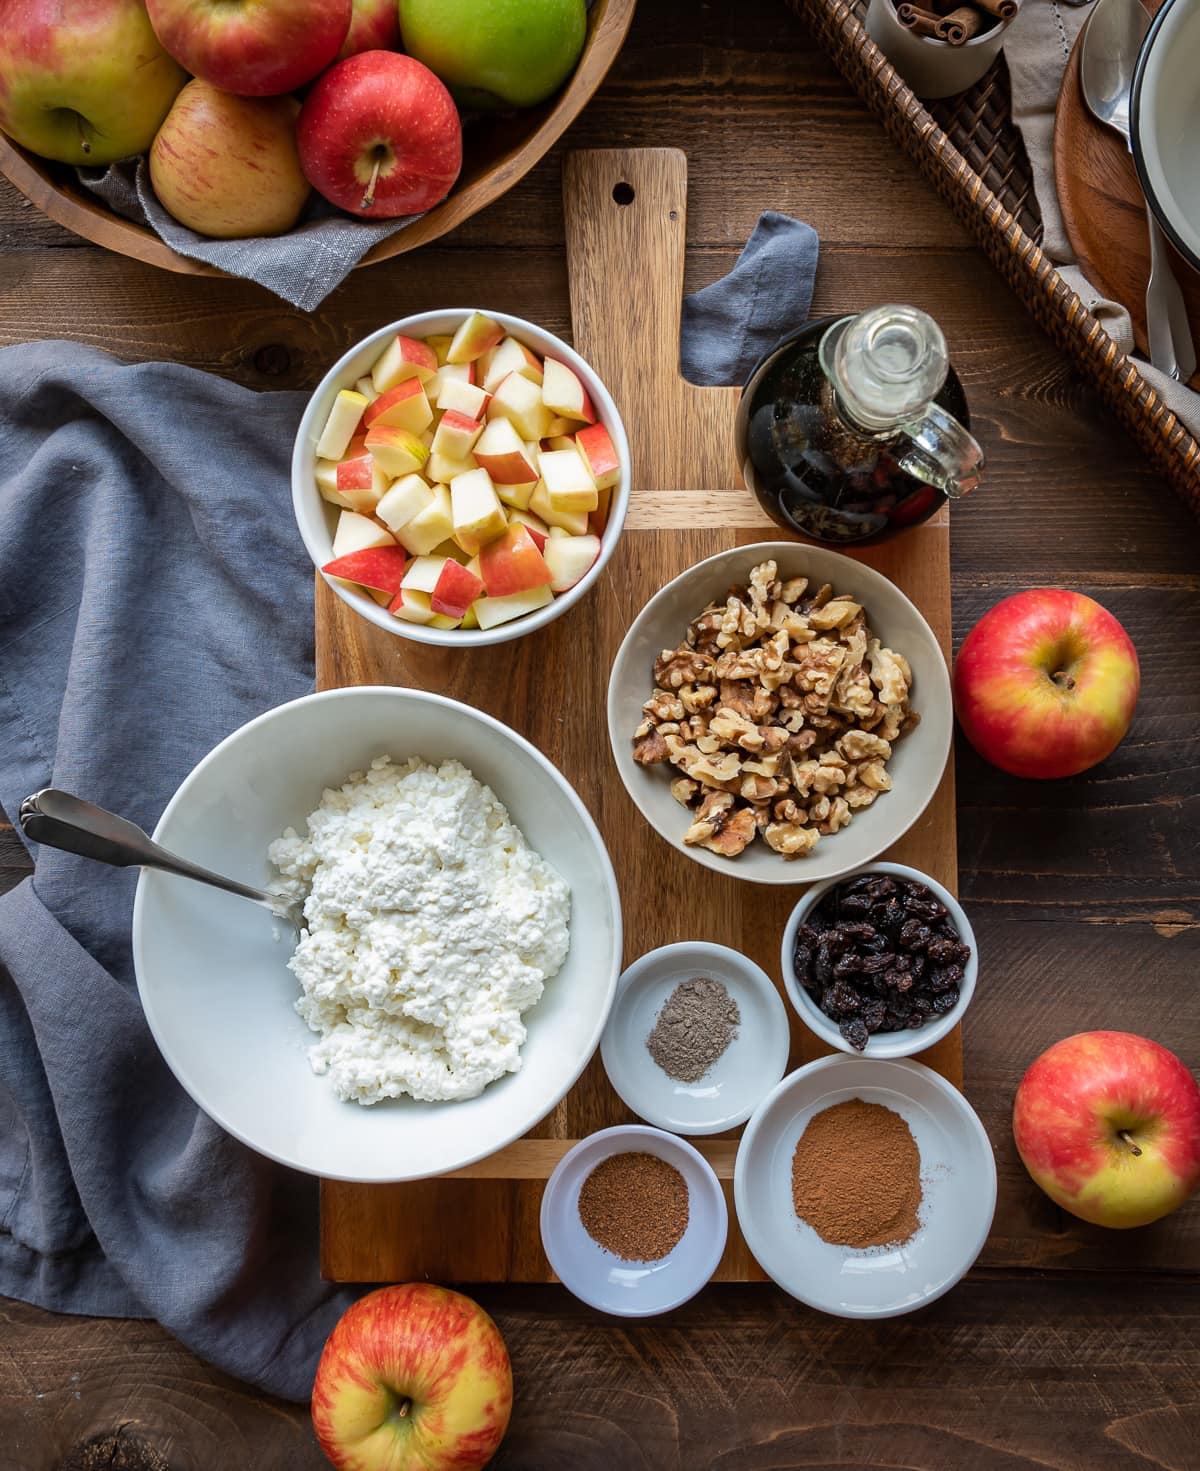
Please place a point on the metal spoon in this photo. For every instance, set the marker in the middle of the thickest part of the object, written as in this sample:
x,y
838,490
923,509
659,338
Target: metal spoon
x,y
1112,39
61,821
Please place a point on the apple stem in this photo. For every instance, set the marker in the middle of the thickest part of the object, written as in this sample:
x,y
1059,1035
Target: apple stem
x,y
1063,680
405,1406
1124,1134
368,198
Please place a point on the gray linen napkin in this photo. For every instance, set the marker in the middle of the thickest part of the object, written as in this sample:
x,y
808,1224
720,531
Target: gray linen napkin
x,y
1037,55
154,596
302,267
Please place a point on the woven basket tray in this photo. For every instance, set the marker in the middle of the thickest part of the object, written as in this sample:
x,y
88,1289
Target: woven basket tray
x,y
969,150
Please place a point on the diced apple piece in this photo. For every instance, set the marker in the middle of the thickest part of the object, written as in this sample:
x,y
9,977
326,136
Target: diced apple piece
x,y
450,548
326,477
517,496
406,407
430,526
502,453
478,515
396,451
596,449
422,573
379,567
556,531
440,345
511,357
339,427
411,605
405,499
426,438
558,441
512,563
520,401
360,483
443,620
569,558
598,519
573,523
469,619
473,337
404,357
568,484
462,398
563,393
492,611
355,533
366,387
561,426
456,434
536,527
455,590
457,373
445,468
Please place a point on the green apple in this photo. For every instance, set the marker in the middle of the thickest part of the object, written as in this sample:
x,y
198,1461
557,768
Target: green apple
x,y
509,53
83,84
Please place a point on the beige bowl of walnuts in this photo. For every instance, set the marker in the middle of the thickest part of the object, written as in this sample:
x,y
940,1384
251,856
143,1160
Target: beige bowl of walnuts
x,y
780,712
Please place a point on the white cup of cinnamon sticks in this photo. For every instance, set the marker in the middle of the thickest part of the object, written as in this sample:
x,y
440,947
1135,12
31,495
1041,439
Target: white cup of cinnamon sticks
x,y
940,47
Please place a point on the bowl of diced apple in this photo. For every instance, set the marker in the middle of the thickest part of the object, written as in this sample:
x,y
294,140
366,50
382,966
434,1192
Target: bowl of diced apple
x,y
461,477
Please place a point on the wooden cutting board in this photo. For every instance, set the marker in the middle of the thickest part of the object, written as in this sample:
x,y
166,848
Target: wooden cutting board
x,y
626,273
1104,209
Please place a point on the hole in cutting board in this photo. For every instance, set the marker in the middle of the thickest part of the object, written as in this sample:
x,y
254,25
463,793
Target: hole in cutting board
x,y
623,193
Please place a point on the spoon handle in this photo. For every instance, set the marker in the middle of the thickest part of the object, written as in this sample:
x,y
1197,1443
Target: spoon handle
x,y
1171,347
59,820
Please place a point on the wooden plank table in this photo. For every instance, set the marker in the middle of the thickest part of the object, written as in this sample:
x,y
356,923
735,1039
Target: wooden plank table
x,y
1067,1347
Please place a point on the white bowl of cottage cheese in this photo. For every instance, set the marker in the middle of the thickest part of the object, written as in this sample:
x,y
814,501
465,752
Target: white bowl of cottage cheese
x,y
460,950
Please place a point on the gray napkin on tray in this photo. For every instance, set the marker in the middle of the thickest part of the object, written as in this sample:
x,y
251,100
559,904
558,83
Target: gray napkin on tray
x,y
154,595
1037,56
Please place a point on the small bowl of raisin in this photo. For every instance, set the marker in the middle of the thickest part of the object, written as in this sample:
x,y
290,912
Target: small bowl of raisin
x,y
880,962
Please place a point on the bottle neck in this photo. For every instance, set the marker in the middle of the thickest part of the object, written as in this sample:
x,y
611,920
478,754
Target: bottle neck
x,y
885,366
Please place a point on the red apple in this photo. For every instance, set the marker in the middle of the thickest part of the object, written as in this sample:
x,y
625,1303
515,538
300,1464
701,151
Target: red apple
x,y
256,48
1108,1124
374,26
412,1378
1045,683
379,136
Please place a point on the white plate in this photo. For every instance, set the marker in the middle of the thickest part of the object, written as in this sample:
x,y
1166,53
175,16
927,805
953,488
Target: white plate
x,y
604,1281
748,1068
958,1177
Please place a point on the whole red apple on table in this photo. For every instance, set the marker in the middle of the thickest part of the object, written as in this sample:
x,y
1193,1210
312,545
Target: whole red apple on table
x,y
1108,1124
1046,683
227,166
257,48
374,26
84,83
412,1378
380,136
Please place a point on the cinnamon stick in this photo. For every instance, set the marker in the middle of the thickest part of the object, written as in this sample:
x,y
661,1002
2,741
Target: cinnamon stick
x,y
913,18
1001,9
957,28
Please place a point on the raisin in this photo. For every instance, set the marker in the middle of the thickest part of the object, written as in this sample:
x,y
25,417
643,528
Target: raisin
x,y
928,909
855,904
915,1019
855,1033
873,965
857,929
945,1002
893,916
846,965
923,1004
873,1015
909,931
941,952
944,977
822,967
962,953
802,958
845,998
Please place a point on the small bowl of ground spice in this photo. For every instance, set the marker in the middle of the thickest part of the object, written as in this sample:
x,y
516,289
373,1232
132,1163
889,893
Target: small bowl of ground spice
x,y
881,962
697,1036
633,1221
865,1188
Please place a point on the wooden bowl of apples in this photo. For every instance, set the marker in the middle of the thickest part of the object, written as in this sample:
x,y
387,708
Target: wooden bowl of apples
x,y
498,147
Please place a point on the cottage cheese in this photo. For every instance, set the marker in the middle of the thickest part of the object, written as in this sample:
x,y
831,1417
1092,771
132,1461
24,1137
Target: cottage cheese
x,y
431,926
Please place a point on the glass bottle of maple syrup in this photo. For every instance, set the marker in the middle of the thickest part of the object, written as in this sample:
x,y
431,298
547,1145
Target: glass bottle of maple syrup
x,y
855,428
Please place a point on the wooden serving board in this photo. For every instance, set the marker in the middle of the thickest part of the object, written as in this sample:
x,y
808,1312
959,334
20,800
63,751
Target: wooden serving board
x,y
626,273
1104,209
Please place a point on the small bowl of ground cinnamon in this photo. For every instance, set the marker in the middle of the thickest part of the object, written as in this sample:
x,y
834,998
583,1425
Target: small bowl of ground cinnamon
x,y
697,1036
633,1221
865,1187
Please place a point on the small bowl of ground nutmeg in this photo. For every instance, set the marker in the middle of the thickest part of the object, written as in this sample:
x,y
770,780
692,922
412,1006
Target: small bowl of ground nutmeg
x,y
865,1188
697,1036
881,962
633,1221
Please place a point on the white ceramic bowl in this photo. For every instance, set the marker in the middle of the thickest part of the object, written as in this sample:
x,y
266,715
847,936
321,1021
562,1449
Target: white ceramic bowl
x,y
958,1179
1164,116
317,519
918,761
749,1068
604,1281
211,969
880,1044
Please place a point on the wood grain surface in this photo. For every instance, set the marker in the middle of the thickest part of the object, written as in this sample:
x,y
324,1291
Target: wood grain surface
x,y
626,213
496,153
1104,209
1069,1348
